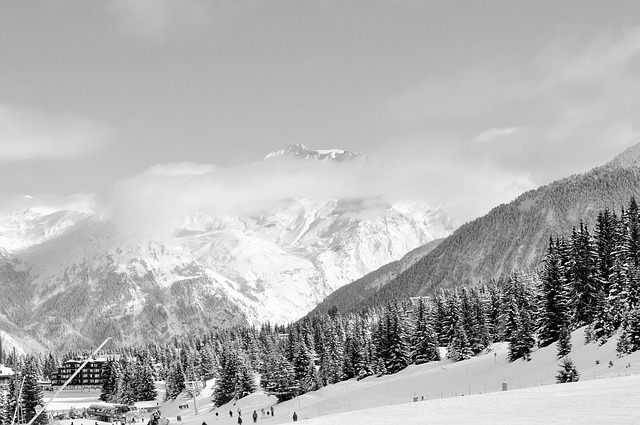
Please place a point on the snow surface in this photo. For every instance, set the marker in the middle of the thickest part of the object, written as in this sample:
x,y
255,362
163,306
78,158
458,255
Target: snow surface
x,y
467,392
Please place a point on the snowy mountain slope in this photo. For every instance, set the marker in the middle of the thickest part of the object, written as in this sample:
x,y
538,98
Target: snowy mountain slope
x,y
610,398
611,401
81,279
350,297
514,235
606,393
20,229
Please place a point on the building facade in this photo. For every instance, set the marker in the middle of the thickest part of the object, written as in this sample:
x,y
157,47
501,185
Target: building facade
x,y
6,375
89,377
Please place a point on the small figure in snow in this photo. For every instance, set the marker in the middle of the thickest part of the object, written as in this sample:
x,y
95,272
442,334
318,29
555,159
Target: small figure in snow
x,y
272,411
230,414
295,417
255,416
239,420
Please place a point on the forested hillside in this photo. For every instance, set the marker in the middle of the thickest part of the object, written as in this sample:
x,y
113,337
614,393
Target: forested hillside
x,y
589,279
514,235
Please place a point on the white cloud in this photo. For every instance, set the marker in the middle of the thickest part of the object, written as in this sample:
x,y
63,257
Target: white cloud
x,y
182,169
156,200
48,203
157,19
32,134
577,100
494,133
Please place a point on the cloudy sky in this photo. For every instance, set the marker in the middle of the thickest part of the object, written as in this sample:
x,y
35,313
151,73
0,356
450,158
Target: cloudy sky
x,y
463,104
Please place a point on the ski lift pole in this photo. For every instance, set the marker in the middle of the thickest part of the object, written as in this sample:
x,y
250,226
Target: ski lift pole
x,y
192,389
38,411
13,421
195,403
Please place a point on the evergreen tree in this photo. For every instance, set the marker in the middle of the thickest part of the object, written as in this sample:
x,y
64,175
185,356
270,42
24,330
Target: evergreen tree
x,y
12,397
127,388
332,357
554,315
397,354
5,416
225,388
439,312
478,322
629,338
280,379
568,372
50,367
110,377
32,395
631,236
564,343
451,317
302,360
175,380
519,317
365,359
424,341
459,347
144,382
585,284
351,353
208,368
244,384
494,311
605,243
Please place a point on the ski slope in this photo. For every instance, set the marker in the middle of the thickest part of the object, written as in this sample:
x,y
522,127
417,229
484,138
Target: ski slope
x,y
601,401
468,392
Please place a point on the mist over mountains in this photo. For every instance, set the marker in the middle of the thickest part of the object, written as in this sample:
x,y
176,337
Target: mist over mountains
x,y
72,278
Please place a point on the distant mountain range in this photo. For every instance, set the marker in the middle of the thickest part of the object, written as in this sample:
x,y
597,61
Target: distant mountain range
x,y
511,236
300,151
68,278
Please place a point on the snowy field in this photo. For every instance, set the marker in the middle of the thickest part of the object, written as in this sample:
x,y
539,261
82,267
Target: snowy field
x,y
603,401
468,392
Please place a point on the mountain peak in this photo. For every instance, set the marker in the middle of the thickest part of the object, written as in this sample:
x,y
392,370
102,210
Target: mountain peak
x,y
627,159
300,151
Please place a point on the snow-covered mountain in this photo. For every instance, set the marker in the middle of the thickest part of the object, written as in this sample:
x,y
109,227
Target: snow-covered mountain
x,y
300,151
71,278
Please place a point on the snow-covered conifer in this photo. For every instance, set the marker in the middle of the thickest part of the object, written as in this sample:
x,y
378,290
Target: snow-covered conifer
x,y
568,372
